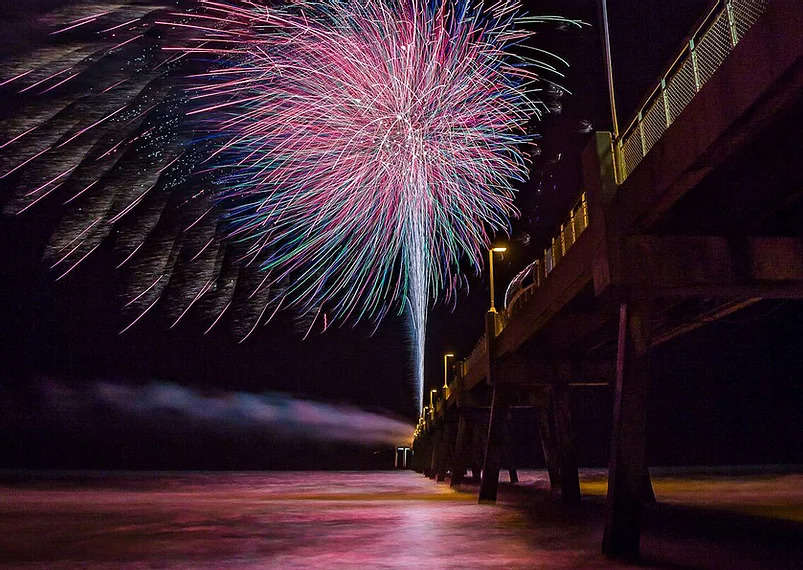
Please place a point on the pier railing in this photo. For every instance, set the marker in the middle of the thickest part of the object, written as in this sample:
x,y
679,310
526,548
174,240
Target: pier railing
x,y
702,54
531,277
523,286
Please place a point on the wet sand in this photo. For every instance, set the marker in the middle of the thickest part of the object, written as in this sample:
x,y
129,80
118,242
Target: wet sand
x,y
396,519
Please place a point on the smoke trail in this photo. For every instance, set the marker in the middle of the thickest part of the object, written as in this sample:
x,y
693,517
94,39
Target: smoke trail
x,y
272,413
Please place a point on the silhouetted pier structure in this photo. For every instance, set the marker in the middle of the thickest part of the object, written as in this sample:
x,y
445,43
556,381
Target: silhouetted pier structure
x,y
690,215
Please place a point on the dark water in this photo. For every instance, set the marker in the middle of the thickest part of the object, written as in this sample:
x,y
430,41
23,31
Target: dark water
x,y
360,520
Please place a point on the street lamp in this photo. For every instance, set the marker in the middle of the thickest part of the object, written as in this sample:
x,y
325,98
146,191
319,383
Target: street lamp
x,y
446,357
496,249
432,403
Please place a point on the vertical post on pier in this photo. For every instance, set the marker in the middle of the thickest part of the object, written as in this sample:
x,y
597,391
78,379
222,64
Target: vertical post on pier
x,y
569,477
695,66
489,483
459,462
606,39
510,449
546,430
734,33
647,492
640,125
447,454
667,108
627,467
437,450
426,455
478,432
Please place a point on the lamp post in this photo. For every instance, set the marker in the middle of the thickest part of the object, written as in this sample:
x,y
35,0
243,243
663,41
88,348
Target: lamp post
x,y
432,403
606,40
496,249
446,357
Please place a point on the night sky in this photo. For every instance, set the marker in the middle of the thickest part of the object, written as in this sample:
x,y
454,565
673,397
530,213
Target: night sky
x,y
729,392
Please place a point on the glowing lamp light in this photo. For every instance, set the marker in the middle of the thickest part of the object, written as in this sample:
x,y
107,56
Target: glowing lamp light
x,y
494,249
446,357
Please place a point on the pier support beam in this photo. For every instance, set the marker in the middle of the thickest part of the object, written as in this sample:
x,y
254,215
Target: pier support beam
x,y
627,467
489,484
423,459
479,432
546,430
569,476
460,449
494,443
647,492
426,458
510,449
437,449
446,455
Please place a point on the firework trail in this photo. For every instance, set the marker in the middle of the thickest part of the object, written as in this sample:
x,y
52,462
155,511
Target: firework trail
x,y
338,158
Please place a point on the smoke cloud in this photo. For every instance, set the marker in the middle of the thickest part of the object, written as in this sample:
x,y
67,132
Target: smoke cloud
x,y
274,414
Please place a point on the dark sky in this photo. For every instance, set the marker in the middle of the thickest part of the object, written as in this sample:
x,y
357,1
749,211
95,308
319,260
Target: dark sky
x,y
69,330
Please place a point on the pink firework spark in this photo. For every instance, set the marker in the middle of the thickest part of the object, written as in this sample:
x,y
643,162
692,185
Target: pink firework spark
x,y
338,157
369,145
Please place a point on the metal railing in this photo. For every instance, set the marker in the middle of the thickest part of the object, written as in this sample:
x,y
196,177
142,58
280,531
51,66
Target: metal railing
x,y
531,277
703,53
523,286
475,355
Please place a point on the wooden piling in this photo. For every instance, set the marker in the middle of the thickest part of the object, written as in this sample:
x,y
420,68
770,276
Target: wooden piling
x,y
627,467
489,483
569,476
435,441
460,449
447,450
546,430
510,449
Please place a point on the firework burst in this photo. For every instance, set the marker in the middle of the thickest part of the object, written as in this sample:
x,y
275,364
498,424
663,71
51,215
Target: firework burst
x,y
370,146
343,155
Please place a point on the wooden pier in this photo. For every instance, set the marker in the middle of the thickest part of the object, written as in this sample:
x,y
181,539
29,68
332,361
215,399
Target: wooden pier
x,y
683,219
